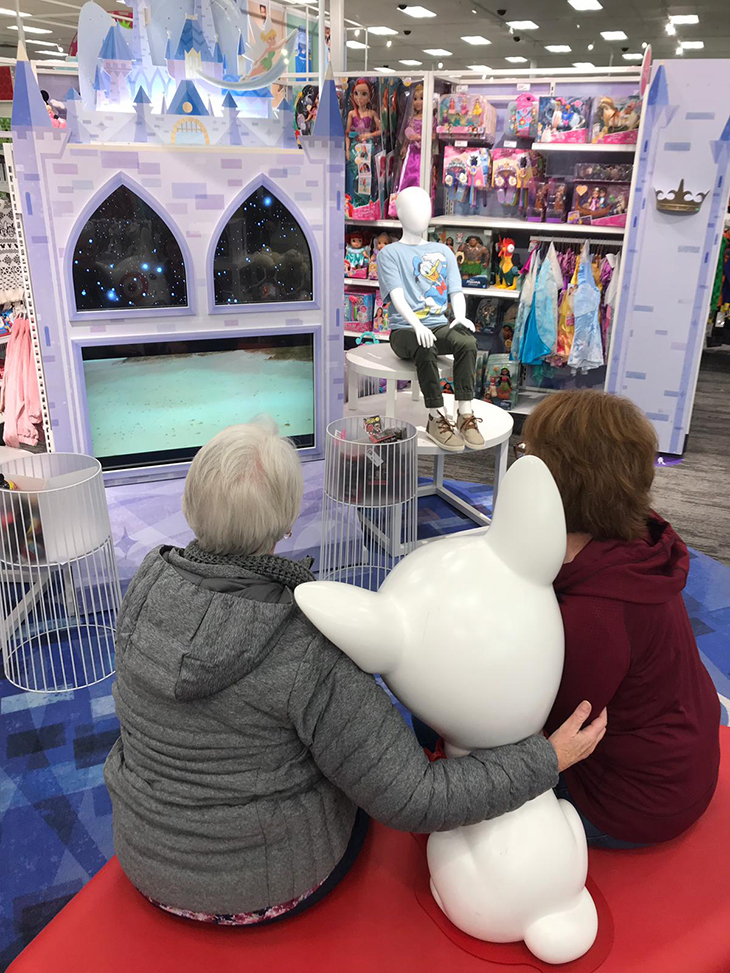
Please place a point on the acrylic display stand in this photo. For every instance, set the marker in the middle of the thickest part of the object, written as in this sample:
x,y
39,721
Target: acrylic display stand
x,y
58,578
370,509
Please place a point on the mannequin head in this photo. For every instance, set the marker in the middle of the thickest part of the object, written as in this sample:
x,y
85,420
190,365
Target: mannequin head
x,y
414,209
483,684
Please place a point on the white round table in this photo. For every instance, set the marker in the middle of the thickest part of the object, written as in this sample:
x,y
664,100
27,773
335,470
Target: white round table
x,y
380,361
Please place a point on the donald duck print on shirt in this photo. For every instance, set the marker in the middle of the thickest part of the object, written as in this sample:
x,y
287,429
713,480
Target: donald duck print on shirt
x,y
427,273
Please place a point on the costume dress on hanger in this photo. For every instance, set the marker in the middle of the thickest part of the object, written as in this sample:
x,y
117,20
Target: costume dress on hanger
x,y
587,350
542,321
525,305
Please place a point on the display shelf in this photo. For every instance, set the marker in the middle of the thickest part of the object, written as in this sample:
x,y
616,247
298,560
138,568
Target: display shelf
x,y
589,147
527,402
492,292
360,282
376,224
359,334
4,339
508,223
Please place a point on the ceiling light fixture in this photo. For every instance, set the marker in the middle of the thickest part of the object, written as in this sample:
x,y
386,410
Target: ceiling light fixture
x,y
385,70
389,43
417,12
614,35
482,68
7,12
692,45
436,52
357,32
644,45
476,39
633,57
558,48
591,46
410,63
44,43
585,4
670,29
440,65
522,25
679,51
356,45
584,65
516,59
31,30
382,31
689,19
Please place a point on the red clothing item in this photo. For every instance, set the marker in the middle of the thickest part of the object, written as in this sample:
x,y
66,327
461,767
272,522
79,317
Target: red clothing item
x,y
629,646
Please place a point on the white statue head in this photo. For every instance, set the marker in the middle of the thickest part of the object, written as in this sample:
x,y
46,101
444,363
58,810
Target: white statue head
x,y
466,631
413,206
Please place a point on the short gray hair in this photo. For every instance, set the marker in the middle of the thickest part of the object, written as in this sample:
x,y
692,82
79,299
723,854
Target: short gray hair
x,y
244,488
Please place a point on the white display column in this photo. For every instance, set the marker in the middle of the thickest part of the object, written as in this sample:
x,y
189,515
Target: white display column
x,y
673,235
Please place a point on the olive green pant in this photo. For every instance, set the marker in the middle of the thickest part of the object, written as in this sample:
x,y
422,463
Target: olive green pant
x,y
458,341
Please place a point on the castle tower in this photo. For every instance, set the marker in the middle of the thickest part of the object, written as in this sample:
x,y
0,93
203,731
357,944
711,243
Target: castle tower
x,y
140,41
241,65
328,123
117,60
141,108
77,131
219,62
203,13
29,109
233,132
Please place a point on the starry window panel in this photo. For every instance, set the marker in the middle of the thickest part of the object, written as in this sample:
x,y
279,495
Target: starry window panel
x,y
262,255
127,257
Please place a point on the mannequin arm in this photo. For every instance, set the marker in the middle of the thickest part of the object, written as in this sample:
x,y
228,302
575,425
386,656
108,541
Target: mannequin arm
x,y
424,335
458,305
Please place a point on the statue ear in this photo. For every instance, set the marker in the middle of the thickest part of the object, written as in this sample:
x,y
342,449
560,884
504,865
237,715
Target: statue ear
x,y
364,625
528,528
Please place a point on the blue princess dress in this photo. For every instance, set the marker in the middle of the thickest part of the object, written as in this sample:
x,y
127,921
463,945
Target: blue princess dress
x,y
587,350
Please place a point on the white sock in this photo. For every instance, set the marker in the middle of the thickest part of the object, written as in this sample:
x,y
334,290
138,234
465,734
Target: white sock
x,y
465,408
441,411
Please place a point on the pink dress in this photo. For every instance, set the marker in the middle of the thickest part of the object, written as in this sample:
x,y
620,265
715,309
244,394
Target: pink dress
x,y
411,171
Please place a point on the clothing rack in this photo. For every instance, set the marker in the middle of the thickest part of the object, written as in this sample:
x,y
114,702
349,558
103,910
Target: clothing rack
x,y
577,242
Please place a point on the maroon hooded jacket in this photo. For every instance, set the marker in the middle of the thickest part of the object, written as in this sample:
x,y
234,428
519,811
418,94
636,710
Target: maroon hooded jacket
x,y
629,645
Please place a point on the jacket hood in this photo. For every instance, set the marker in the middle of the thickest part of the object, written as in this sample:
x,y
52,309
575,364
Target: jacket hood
x,y
200,628
648,571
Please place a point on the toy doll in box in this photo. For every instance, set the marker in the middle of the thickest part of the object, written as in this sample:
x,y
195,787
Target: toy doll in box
x,y
463,114
617,121
380,241
513,170
602,204
522,116
503,381
359,311
380,317
537,194
558,200
466,173
474,259
563,118
357,255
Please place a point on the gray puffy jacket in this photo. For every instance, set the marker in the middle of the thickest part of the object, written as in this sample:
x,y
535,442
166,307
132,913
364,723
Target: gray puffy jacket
x,y
248,740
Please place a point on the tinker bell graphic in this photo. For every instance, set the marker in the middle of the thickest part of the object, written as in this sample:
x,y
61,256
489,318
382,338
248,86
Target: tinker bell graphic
x,y
430,268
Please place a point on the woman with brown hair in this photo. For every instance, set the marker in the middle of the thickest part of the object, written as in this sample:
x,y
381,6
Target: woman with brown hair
x,y
629,643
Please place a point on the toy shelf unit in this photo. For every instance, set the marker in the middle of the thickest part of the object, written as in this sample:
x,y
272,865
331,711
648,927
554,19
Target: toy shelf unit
x,y
193,277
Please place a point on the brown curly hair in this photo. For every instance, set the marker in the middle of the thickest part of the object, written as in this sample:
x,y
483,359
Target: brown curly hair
x,y
600,449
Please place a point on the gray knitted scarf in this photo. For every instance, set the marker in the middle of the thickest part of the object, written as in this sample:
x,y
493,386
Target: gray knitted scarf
x,y
269,566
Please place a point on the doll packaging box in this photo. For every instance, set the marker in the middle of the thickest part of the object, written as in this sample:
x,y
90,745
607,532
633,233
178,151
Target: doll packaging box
x,y
563,118
522,116
357,255
462,114
380,316
617,121
601,204
503,381
473,252
466,174
359,309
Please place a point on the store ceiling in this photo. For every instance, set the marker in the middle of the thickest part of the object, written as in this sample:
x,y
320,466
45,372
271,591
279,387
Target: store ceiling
x,y
643,21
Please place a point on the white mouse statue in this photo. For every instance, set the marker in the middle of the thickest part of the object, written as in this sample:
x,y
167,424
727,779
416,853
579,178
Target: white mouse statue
x,y
467,632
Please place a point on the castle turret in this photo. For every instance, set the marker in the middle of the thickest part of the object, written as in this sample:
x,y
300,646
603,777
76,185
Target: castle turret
x,y
142,109
140,40
203,13
77,131
328,123
230,109
117,59
29,109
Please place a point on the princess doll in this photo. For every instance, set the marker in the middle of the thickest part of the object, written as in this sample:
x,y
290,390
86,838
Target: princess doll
x,y
410,173
362,127
356,255
380,241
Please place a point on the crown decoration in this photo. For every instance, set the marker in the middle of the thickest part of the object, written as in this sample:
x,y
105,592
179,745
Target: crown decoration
x,y
679,200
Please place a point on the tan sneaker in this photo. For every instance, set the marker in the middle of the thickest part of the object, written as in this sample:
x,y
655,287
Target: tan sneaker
x,y
467,427
444,433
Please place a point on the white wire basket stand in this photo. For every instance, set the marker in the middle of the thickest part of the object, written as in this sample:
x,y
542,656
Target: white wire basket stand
x,y
58,578
370,509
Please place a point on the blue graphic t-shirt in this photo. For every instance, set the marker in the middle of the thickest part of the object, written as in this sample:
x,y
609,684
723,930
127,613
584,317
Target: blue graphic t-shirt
x,y
428,273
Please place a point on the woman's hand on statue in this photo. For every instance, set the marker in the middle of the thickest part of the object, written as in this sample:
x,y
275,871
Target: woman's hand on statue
x,y
464,322
574,743
424,335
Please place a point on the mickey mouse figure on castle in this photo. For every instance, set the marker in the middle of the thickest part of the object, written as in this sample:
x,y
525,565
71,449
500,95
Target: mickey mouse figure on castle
x,y
418,279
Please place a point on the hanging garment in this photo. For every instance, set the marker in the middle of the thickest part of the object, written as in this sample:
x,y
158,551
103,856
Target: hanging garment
x,y
609,278
11,275
525,306
542,321
587,350
566,328
20,398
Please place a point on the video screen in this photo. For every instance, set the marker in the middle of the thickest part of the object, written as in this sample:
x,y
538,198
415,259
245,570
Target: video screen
x,y
154,403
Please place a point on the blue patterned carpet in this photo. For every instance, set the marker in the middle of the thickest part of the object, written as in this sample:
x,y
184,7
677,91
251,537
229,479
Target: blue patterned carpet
x,y
55,815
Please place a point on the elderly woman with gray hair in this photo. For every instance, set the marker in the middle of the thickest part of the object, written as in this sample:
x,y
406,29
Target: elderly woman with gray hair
x,y
252,751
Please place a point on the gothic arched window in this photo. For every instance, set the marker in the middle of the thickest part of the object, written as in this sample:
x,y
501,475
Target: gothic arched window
x,y
126,257
262,255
